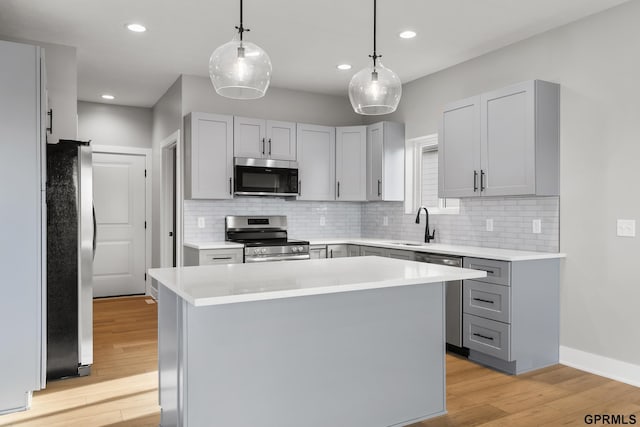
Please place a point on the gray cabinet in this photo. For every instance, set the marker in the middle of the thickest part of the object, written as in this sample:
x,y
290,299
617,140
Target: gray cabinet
x,y
269,139
337,251
194,256
385,161
511,317
353,250
373,251
317,251
208,156
351,163
401,254
316,162
502,143
459,149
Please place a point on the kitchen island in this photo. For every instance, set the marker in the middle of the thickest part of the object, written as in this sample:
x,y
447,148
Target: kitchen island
x,y
329,342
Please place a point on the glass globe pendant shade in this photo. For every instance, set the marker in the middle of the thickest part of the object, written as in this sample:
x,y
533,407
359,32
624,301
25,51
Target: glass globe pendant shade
x,y
375,90
240,70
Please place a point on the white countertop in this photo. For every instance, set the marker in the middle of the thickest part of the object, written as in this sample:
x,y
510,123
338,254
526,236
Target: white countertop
x,y
214,245
235,283
444,249
436,248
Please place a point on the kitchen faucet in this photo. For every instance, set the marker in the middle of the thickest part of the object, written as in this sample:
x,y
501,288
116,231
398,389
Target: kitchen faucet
x,y
427,237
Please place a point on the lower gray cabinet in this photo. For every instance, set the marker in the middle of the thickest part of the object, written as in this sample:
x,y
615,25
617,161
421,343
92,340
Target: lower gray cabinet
x,y
317,251
194,256
373,251
511,318
337,251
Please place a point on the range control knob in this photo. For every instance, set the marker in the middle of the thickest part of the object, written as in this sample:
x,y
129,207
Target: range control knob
x,y
256,251
264,250
300,248
294,248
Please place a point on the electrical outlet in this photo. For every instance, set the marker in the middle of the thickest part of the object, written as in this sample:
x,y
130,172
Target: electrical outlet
x,y
490,225
626,228
200,222
536,226
322,220
385,220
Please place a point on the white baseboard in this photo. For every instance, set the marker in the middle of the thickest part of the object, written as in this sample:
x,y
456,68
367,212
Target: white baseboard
x,y
600,365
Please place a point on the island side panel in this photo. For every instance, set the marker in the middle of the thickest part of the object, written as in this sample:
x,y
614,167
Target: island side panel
x,y
364,358
169,306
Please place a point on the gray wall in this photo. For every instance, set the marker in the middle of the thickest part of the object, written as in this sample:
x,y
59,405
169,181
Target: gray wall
x,y
596,62
167,118
62,87
277,104
117,125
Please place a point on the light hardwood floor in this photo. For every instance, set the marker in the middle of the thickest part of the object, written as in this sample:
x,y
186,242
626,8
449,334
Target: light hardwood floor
x,y
122,389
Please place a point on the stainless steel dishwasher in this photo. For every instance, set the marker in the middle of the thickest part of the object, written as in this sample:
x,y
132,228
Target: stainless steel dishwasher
x,y
453,301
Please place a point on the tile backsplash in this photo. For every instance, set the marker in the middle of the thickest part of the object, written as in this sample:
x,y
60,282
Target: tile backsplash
x,y
512,223
341,219
512,220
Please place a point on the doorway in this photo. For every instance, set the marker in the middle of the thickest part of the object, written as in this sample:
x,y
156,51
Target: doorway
x,y
121,194
171,202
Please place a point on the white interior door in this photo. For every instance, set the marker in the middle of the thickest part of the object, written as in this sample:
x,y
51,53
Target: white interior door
x,y
119,196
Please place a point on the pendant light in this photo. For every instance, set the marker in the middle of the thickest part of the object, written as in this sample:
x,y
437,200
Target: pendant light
x,y
375,90
240,69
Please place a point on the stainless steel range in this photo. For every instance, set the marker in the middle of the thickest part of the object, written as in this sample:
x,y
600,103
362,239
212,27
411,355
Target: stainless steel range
x,y
264,238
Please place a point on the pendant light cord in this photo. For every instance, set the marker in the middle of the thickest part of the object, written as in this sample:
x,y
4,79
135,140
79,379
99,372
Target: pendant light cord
x,y
241,28
375,20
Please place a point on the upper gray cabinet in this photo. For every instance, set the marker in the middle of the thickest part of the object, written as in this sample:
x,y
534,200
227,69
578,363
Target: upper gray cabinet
x,y
316,162
351,163
385,161
269,139
208,156
502,143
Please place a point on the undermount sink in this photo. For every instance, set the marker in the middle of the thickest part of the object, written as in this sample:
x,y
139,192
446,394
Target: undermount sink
x,y
408,243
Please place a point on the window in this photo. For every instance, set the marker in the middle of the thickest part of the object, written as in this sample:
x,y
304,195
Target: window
x,y
422,177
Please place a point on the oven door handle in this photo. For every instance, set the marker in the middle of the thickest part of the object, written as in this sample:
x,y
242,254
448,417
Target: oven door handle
x,y
248,259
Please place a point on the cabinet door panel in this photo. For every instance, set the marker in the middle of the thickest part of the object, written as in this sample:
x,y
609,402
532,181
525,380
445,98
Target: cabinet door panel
x,y
316,162
459,149
281,140
508,140
209,153
351,163
375,138
249,137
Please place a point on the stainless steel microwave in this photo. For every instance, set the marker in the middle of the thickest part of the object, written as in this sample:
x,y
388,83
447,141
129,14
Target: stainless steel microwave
x,y
265,177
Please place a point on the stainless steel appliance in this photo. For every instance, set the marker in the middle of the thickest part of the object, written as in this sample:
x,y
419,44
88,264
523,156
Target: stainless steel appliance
x,y
265,177
70,250
453,301
264,238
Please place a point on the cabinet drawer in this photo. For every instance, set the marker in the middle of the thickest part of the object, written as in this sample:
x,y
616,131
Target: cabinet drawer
x,y
487,300
487,336
217,256
498,272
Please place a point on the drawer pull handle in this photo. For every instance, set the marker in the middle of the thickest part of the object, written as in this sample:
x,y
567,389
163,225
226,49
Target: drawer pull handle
x,y
483,336
484,300
221,257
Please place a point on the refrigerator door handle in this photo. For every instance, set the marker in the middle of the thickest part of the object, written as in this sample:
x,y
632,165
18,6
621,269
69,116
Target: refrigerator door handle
x,y
95,230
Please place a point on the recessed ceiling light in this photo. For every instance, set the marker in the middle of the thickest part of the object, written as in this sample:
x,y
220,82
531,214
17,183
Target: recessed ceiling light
x,y
407,34
107,96
344,67
136,28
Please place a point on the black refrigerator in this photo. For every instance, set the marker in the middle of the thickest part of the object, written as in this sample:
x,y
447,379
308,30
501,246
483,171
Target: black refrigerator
x,y
70,251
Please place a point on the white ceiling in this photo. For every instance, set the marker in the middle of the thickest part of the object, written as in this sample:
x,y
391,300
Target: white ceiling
x,y
305,39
